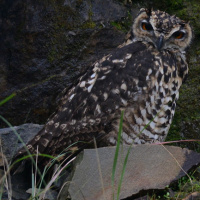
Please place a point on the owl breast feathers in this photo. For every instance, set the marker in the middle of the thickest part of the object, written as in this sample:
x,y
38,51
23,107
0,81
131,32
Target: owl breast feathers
x,y
141,77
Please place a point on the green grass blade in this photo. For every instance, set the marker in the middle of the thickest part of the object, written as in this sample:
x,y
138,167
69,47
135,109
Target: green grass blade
x,y
123,171
7,99
33,185
117,151
126,160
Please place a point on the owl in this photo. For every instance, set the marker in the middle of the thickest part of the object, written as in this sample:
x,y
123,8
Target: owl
x,y
142,78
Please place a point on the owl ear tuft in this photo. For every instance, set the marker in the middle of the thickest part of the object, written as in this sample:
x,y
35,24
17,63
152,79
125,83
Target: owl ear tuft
x,y
148,11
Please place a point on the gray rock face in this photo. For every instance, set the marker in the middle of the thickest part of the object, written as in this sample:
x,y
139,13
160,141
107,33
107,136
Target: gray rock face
x,y
148,167
39,55
97,10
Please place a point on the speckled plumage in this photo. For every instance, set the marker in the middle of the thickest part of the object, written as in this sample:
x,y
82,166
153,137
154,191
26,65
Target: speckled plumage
x,y
141,77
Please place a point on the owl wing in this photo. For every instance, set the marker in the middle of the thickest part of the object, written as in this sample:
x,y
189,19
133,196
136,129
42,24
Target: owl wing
x,y
89,108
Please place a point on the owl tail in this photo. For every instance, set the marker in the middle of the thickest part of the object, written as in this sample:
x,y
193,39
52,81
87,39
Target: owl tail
x,y
43,146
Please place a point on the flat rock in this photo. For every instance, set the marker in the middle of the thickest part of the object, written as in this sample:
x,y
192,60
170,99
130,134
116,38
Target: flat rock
x,y
10,141
193,196
148,167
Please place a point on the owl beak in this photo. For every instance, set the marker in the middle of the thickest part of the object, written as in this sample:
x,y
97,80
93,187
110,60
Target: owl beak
x,y
159,42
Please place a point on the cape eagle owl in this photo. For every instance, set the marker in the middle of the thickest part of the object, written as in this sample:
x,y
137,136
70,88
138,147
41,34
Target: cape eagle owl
x,y
142,77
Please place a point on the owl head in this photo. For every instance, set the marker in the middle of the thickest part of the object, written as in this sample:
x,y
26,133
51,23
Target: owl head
x,y
162,30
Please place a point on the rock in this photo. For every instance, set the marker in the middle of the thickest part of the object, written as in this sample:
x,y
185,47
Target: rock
x,y
193,196
18,188
20,184
10,141
97,10
148,167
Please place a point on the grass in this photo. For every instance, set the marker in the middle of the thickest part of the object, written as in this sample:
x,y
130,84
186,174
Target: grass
x,y
115,160
7,99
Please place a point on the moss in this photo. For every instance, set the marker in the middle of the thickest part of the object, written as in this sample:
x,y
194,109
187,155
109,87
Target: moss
x,y
124,24
66,19
63,20
88,24
52,55
117,25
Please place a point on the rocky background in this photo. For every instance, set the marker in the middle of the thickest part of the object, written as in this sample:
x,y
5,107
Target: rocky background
x,y
45,45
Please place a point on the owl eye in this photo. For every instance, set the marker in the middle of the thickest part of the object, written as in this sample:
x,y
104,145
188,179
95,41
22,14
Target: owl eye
x,y
146,26
179,34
